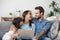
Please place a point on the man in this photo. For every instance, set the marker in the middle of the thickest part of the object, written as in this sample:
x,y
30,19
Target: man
x,y
42,25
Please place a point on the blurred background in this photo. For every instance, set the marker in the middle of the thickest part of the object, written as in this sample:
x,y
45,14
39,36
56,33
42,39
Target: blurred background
x,y
16,7
9,9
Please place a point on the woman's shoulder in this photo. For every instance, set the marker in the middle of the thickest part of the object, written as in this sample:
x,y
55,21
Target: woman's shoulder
x,y
33,24
24,26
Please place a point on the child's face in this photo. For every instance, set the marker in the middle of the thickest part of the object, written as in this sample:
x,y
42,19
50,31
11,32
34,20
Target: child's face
x,y
21,23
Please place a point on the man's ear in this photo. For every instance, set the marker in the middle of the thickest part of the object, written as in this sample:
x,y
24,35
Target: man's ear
x,y
42,13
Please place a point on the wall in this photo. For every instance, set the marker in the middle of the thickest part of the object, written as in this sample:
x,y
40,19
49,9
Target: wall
x,y
7,6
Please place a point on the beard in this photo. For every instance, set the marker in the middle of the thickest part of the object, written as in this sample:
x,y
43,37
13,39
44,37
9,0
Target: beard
x,y
38,18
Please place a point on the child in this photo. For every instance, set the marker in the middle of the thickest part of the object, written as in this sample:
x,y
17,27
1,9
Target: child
x,y
12,34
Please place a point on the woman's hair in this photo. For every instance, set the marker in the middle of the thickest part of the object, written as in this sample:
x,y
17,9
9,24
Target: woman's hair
x,y
16,22
24,14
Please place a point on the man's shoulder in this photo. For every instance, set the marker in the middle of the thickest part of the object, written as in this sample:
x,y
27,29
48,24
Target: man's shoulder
x,y
45,20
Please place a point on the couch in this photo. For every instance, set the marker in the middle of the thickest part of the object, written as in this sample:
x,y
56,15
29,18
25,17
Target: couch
x,y
4,27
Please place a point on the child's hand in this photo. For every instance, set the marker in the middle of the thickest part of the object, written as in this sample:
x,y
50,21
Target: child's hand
x,y
16,34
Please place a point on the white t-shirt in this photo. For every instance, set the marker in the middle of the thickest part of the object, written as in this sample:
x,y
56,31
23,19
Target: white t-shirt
x,y
8,35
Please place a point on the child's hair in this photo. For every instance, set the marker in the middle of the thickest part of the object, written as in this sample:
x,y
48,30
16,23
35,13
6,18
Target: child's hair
x,y
16,22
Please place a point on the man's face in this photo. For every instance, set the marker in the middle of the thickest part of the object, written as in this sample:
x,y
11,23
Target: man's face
x,y
37,14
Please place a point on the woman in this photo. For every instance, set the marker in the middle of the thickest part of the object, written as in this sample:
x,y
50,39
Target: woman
x,y
27,23
27,20
12,34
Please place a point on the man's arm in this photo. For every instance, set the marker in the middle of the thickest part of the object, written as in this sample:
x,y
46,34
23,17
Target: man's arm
x,y
44,30
40,34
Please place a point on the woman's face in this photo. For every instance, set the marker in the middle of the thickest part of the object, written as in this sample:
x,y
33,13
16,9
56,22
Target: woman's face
x,y
28,16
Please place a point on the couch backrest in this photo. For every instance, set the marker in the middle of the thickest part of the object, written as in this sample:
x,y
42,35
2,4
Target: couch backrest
x,y
4,27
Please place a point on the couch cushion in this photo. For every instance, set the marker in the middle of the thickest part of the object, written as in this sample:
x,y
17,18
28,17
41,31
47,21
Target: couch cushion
x,y
4,27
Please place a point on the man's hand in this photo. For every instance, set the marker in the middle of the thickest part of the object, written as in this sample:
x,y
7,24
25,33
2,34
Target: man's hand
x,y
39,35
36,37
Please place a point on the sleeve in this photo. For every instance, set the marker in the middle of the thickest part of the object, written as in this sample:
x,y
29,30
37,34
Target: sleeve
x,y
8,36
46,26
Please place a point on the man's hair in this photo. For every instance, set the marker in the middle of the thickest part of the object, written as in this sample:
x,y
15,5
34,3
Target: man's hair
x,y
40,9
16,22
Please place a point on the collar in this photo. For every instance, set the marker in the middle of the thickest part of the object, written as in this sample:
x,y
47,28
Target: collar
x,y
41,20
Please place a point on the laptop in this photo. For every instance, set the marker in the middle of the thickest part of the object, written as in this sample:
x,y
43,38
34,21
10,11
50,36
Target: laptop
x,y
26,34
